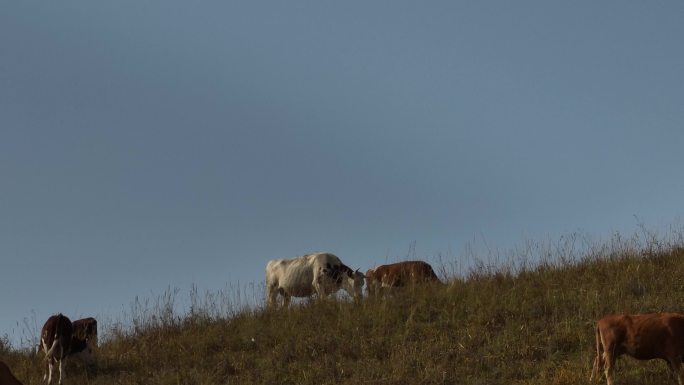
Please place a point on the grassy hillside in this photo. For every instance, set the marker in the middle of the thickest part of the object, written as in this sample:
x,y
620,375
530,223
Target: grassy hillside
x,y
496,325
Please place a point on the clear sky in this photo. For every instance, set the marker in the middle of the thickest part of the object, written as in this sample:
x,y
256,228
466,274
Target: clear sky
x,y
148,144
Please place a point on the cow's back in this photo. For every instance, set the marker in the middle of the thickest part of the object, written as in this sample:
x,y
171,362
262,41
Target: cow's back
x,y
422,271
289,274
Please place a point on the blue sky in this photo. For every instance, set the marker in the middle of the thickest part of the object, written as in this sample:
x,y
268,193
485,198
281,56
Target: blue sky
x,y
148,144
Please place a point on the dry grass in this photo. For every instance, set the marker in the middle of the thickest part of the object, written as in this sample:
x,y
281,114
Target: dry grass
x,y
516,323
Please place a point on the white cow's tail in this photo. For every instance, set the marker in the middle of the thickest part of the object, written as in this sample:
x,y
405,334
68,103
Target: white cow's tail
x,y
51,351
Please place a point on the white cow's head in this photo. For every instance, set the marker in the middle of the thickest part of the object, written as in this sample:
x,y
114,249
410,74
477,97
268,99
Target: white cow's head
x,y
352,282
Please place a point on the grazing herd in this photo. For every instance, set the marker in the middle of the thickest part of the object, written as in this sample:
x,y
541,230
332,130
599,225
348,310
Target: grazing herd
x,y
642,336
60,338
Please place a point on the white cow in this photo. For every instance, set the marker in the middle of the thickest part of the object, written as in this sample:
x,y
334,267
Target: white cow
x,y
318,273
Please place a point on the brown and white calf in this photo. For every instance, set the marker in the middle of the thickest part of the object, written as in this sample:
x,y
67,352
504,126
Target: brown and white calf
x,y
399,274
6,376
642,336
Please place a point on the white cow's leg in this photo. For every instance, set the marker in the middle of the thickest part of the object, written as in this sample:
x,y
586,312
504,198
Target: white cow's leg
x,y
318,286
61,371
42,346
323,286
272,295
49,372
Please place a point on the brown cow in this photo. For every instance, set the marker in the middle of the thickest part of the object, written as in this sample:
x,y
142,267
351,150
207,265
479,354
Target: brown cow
x,y
56,341
642,336
84,331
399,274
6,376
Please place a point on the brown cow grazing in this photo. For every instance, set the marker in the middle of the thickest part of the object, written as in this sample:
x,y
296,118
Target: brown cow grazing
x,y
642,336
399,274
84,330
56,342
6,376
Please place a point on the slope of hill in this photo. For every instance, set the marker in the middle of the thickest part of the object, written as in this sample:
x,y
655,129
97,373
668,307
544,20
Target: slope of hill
x,y
495,326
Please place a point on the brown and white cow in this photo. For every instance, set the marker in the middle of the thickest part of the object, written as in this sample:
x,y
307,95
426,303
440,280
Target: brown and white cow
x,y
318,273
6,376
642,336
399,274
55,339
